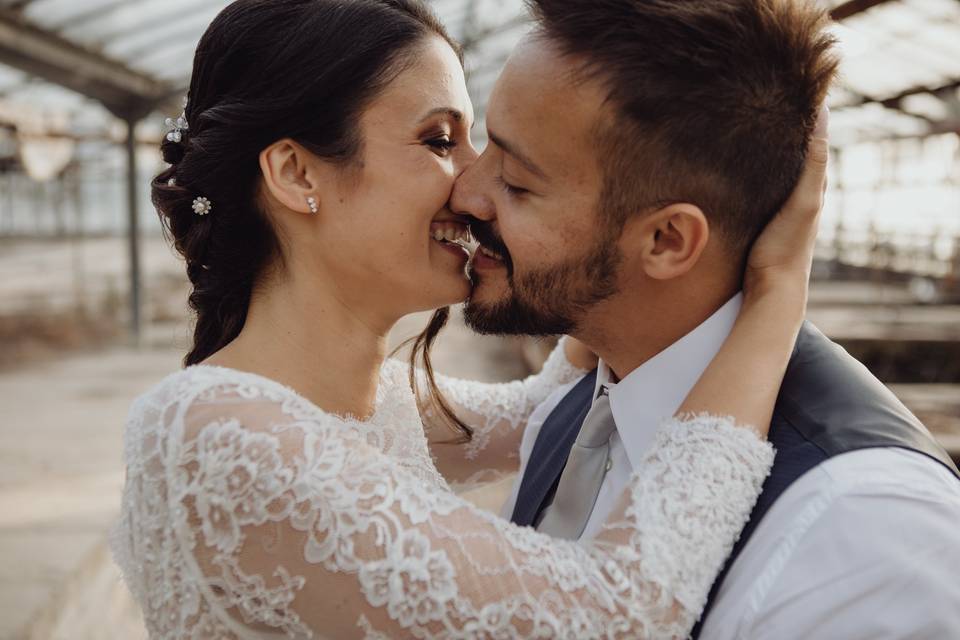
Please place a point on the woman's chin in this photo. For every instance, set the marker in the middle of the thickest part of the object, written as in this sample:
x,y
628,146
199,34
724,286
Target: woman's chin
x,y
459,292
449,288
450,283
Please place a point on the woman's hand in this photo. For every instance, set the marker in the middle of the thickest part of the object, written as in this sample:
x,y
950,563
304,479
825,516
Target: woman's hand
x,y
744,378
779,262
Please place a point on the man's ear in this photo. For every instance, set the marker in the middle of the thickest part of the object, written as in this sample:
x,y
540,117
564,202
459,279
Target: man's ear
x,y
290,175
669,241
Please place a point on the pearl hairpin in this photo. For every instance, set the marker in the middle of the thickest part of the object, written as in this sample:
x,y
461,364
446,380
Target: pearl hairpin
x,y
202,206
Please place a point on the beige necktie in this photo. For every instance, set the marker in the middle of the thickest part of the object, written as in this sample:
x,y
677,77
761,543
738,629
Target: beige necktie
x,y
587,465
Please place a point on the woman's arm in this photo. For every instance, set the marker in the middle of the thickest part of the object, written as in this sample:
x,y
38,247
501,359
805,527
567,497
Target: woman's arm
x,y
296,525
745,376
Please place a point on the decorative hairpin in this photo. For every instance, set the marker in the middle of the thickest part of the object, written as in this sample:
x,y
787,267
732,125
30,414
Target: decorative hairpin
x,y
202,206
179,126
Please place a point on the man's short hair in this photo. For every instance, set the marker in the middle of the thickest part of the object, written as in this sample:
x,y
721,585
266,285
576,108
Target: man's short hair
x,y
714,100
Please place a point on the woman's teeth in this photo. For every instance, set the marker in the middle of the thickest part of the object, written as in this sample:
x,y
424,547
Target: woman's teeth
x,y
450,233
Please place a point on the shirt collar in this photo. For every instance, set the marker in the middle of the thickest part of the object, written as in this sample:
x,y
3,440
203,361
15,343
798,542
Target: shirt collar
x,y
656,389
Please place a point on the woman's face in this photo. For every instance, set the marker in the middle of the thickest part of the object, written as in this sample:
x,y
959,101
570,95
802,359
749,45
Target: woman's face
x,y
379,231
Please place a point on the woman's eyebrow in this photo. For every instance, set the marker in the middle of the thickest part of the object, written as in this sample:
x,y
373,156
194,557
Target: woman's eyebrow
x,y
456,114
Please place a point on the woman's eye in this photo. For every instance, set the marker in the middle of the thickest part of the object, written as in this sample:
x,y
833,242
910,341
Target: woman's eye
x,y
442,145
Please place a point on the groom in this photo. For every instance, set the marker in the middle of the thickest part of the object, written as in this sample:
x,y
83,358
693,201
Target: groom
x,y
637,148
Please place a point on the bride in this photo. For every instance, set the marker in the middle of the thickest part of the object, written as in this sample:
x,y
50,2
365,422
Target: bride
x,y
284,483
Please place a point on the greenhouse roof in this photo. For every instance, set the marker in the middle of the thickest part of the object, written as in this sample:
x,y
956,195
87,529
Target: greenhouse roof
x,y
90,58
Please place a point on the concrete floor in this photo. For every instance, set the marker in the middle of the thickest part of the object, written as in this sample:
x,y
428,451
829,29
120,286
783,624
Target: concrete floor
x,y
61,476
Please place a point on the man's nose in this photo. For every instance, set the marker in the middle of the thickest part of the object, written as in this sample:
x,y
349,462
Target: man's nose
x,y
469,195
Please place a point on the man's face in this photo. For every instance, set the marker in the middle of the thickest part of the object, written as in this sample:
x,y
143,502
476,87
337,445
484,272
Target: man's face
x,y
535,192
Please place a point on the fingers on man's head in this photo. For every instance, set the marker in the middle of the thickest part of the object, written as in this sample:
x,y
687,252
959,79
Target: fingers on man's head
x,y
822,128
818,151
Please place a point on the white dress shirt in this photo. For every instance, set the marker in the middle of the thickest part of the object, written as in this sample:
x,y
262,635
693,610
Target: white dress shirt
x,y
865,545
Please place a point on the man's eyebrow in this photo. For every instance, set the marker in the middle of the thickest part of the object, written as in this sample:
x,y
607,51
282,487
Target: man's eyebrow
x,y
513,151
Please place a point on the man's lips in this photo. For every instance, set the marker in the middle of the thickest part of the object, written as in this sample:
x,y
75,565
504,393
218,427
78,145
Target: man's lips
x,y
491,252
485,259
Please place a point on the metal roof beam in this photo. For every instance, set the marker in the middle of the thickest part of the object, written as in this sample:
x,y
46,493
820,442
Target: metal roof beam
x,y
852,7
895,102
938,129
125,92
17,5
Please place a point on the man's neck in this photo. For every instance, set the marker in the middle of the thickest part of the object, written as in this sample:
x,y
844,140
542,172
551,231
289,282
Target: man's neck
x,y
627,332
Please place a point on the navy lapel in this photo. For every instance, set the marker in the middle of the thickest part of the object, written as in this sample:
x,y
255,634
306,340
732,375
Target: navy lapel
x,y
551,450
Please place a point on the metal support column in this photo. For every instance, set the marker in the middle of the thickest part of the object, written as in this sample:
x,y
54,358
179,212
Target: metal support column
x,y
133,232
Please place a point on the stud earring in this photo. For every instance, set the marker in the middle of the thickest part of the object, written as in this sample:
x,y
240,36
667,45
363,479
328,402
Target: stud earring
x,y
312,203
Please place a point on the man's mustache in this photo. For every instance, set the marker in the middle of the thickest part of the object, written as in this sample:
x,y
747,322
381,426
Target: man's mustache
x,y
484,234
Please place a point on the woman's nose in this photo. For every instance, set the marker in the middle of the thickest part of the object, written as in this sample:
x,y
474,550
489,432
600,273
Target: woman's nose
x,y
467,156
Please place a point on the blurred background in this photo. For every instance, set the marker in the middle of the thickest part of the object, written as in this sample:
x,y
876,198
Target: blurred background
x,y
93,302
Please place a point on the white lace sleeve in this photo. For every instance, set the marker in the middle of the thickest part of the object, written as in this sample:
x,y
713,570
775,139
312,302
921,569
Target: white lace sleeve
x,y
248,514
497,413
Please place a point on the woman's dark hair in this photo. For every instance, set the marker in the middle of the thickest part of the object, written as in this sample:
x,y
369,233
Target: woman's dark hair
x,y
266,70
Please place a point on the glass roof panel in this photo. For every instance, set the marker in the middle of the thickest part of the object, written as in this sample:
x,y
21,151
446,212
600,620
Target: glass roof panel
x,y
893,47
133,16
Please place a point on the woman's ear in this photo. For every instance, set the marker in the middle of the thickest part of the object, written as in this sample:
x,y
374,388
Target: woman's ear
x,y
671,240
290,176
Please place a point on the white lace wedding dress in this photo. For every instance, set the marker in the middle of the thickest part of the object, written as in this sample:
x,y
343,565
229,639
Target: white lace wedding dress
x,y
249,512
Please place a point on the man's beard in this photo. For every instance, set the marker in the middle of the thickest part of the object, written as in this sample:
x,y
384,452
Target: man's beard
x,y
549,301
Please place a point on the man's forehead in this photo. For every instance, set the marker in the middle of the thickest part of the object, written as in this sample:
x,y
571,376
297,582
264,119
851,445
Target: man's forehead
x,y
542,97
539,70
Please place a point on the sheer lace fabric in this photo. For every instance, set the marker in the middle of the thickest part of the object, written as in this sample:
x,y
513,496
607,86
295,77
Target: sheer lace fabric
x,y
248,513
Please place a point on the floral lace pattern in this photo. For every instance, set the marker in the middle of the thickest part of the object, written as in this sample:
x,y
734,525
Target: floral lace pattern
x,y
249,513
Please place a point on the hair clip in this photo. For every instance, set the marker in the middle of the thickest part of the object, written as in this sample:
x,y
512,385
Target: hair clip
x,y
172,182
179,126
202,206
